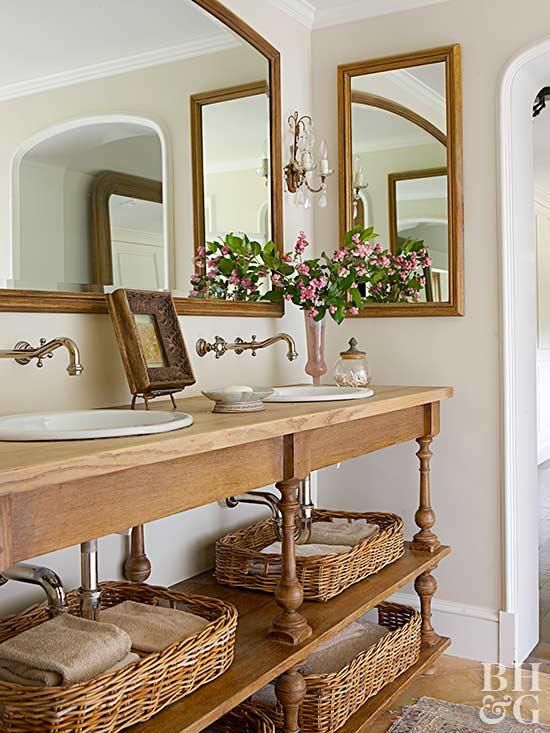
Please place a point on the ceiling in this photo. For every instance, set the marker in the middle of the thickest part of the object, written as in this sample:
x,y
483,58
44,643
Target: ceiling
x,y
75,35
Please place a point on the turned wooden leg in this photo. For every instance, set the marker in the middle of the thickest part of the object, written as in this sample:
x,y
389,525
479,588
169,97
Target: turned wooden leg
x,y
137,567
291,691
425,540
289,626
426,585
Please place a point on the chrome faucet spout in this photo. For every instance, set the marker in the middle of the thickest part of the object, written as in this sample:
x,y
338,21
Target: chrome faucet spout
x,y
220,346
49,581
23,353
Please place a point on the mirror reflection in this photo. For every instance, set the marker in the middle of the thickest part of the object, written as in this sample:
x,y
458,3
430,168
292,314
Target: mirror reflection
x,y
400,165
102,198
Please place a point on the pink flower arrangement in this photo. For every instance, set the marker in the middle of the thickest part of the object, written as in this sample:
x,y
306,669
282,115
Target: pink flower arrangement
x,y
356,274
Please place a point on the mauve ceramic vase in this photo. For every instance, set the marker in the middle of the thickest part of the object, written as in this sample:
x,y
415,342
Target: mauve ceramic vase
x,y
315,340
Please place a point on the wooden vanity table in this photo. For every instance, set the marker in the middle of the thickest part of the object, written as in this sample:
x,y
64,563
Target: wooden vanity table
x,y
56,495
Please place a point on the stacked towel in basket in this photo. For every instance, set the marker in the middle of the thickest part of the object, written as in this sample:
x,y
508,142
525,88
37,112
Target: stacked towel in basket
x,y
333,655
68,650
329,538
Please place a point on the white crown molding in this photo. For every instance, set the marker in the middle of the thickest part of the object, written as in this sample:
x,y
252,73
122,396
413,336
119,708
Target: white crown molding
x,y
199,47
300,10
360,9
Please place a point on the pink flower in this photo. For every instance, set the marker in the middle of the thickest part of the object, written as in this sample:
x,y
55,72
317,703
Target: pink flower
x,y
225,250
303,269
356,238
332,309
312,312
354,310
286,258
339,255
343,272
301,244
288,296
201,251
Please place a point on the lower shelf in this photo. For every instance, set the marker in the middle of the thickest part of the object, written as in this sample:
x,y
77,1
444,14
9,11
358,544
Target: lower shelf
x,y
373,708
259,660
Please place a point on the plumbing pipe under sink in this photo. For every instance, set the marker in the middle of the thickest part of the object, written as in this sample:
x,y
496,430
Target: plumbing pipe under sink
x,y
266,498
49,581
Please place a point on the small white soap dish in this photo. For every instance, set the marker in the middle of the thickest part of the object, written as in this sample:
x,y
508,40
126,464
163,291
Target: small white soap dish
x,y
238,398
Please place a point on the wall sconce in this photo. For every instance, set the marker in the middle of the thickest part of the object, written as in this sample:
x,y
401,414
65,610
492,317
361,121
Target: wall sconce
x,y
302,167
358,183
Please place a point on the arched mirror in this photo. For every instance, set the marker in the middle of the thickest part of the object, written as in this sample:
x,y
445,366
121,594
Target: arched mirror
x,y
100,151
401,149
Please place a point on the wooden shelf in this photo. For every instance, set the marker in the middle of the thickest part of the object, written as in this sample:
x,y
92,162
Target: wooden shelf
x,y
377,705
259,660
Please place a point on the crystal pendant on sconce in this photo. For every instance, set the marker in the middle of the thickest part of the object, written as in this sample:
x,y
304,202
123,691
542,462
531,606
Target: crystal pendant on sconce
x,y
307,202
323,199
300,199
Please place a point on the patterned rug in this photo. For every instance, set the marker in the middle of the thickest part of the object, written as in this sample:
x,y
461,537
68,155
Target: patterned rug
x,y
437,716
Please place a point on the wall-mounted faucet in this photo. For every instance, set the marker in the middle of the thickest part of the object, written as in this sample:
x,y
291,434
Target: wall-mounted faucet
x,y
49,581
220,346
23,353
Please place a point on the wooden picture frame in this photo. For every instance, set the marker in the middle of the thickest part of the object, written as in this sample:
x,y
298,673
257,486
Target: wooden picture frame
x,y
151,343
105,185
451,57
198,102
44,301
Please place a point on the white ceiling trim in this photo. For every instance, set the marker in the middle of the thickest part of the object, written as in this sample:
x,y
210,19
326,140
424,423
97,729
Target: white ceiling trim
x,y
199,47
300,10
308,15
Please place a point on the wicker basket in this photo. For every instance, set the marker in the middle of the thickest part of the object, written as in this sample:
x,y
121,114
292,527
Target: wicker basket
x,y
239,561
247,718
331,699
132,694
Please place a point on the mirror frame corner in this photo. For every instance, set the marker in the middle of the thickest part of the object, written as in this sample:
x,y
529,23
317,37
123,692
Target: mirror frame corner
x,y
451,56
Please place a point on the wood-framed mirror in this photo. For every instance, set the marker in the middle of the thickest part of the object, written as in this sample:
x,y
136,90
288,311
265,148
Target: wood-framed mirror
x,y
401,169
63,128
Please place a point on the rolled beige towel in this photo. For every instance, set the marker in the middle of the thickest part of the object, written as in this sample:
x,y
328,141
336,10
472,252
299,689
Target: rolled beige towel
x,y
153,628
309,550
65,650
11,676
341,533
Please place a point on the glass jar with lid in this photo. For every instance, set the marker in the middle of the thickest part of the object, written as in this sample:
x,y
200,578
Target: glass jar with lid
x,y
352,369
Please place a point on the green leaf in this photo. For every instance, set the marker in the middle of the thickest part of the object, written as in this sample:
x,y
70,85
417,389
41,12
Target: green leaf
x,y
356,297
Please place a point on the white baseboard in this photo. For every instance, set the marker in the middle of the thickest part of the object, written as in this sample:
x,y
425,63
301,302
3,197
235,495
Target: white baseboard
x,y
474,631
543,452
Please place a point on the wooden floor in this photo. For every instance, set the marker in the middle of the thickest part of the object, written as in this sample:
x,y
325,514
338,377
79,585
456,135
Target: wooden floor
x,y
459,681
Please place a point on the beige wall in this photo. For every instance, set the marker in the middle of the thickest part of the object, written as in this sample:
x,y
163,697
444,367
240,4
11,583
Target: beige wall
x,y
463,352
181,545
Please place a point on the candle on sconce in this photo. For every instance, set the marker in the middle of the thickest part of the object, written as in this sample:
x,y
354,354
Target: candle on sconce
x,y
324,168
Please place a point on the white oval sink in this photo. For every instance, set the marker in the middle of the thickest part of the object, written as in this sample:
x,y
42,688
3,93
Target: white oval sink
x,y
86,424
323,393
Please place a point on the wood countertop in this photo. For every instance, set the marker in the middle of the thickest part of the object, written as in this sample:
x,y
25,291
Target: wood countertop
x,y
25,466
59,494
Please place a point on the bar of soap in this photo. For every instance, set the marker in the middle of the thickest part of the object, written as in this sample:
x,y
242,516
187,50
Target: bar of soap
x,y
237,389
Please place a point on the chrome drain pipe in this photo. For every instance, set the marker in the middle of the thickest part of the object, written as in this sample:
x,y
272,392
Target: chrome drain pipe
x,y
49,581
266,498
89,592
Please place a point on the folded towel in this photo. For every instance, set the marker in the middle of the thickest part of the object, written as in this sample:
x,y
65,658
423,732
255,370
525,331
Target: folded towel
x,y
342,649
340,533
153,628
333,655
65,650
12,676
309,550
